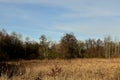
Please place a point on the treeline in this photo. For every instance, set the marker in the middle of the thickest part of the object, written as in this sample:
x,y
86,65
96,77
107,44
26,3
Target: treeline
x,y
13,47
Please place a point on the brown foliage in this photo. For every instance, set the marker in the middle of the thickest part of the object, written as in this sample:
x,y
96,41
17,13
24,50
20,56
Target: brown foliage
x,y
11,70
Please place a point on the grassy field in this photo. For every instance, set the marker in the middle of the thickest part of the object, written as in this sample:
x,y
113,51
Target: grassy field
x,y
76,69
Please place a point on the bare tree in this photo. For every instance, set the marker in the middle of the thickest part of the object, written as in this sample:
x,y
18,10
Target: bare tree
x,y
107,41
44,45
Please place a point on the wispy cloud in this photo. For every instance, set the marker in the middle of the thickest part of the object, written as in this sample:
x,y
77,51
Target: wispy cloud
x,y
80,8
59,16
87,29
92,13
7,11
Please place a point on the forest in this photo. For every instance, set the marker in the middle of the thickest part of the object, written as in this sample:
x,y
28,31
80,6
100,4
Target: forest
x,y
13,47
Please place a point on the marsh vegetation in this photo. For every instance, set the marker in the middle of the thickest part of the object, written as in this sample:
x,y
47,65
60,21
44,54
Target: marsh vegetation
x,y
76,69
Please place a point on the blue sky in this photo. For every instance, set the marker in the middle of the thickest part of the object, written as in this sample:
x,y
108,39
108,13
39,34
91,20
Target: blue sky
x,y
85,18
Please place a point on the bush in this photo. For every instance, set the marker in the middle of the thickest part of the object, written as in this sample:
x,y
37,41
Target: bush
x,y
11,70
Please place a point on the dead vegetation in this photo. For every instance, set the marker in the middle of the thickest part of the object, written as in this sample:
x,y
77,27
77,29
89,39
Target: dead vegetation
x,y
10,70
77,69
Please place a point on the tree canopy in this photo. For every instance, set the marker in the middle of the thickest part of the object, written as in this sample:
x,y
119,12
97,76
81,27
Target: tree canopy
x,y
13,47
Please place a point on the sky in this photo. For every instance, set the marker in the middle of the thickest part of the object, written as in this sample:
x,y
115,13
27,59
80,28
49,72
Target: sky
x,y
85,18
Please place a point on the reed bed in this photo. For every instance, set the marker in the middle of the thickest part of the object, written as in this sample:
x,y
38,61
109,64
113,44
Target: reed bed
x,y
75,69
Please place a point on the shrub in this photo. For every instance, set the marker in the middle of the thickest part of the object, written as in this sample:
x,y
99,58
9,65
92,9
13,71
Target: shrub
x,y
11,70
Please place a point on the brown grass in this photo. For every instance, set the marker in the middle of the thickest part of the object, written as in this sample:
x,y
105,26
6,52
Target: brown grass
x,y
77,69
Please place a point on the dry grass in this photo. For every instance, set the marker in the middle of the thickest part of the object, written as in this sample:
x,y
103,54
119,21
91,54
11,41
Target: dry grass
x,y
77,69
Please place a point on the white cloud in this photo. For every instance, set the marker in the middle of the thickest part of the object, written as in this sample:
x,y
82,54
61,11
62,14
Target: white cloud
x,y
86,29
12,11
80,8
92,13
